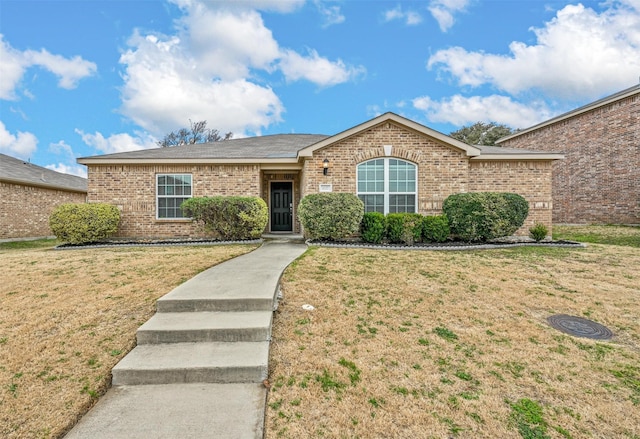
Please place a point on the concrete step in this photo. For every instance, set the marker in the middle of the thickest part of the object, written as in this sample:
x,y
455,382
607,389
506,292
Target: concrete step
x,y
211,362
232,290
186,327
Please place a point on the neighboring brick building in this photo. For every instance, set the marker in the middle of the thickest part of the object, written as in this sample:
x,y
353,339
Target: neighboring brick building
x,y
392,163
599,180
28,195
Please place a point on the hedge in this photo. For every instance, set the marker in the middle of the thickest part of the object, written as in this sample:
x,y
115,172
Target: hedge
x,y
373,227
482,216
84,223
435,228
404,228
330,216
229,217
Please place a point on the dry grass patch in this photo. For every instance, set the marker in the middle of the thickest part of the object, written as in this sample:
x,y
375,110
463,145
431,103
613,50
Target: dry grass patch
x,y
419,344
67,317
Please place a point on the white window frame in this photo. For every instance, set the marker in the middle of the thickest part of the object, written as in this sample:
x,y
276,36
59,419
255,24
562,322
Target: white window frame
x,y
386,194
159,197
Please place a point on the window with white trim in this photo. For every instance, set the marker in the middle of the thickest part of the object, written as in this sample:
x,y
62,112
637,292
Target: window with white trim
x,y
387,185
171,191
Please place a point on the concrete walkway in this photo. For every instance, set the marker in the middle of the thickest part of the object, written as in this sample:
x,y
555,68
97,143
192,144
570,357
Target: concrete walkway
x,y
198,368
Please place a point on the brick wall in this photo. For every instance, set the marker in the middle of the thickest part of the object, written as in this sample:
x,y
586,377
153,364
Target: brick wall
x,y
531,179
133,189
442,170
599,180
26,209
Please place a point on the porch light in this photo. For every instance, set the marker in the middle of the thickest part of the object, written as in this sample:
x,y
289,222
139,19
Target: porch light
x,y
325,166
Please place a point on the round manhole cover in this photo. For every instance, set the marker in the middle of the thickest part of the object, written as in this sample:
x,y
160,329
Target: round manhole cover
x,y
579,327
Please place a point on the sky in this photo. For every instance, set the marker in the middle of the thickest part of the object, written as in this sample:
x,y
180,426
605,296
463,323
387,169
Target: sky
x,y
86,77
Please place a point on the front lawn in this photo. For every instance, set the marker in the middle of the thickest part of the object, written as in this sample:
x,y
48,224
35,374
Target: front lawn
x,y
421,344
68,316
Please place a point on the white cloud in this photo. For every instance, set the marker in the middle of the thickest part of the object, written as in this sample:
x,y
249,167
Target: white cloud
x,y
62,147
15,63
317,69
579,54
117,142
227,44
411,18
331,14
20,145
11,70
210,70
443,11
282,6
78,170
459,110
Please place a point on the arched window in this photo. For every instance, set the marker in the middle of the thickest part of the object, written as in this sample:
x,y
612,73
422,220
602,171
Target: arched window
x,y
387,185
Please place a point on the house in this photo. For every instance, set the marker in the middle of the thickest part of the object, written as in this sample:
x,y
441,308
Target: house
x,y
392,163
28,195
599,180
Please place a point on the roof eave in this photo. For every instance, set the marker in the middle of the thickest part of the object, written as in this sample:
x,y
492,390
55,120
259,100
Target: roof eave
x,y
42,185
518,157
190,161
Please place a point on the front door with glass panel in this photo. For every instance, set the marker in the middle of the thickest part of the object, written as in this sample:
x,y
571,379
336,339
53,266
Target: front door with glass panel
x,y
281,206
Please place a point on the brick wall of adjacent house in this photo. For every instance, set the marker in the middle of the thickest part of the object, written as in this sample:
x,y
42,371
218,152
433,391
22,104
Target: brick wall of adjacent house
x,y
132,188
599,180
442,170
26,209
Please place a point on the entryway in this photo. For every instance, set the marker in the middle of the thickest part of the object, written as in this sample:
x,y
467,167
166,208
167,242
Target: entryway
x,y
281,206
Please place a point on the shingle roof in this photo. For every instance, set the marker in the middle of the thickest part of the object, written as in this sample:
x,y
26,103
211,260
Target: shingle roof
x,y
18,171
262,147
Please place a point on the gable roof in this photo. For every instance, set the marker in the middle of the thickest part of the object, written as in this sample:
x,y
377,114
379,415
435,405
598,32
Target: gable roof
x,y
278,147
471,151
285,150
16,171
592,106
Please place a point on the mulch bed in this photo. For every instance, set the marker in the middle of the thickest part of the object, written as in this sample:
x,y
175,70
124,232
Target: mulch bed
x,y
448,245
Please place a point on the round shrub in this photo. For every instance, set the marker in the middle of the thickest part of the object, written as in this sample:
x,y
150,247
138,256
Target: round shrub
x,y
538,232
372,227
330,216
482,216
84,223
435,228
229,217
404,228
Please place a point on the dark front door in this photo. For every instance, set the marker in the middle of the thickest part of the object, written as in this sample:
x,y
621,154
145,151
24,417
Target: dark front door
x,y
281,206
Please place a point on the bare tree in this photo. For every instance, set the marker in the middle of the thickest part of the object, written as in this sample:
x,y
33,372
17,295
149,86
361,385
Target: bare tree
x,y
198,133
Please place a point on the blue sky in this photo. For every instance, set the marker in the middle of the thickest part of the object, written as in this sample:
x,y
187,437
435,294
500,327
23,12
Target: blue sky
x,y
81,78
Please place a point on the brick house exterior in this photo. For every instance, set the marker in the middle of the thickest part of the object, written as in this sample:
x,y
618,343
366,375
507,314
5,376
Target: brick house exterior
x,y
28,195
599,180
288,167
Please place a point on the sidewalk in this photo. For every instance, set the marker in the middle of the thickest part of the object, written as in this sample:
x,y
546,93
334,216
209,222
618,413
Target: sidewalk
x,y
198,368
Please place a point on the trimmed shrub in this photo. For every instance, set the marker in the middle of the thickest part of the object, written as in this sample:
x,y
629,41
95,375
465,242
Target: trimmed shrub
x,y
229,217
482,216
372,227
331,215
84,223
435,228
538,232
404,228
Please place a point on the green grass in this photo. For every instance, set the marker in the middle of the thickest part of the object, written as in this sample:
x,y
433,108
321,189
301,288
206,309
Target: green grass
x,y
28,245
610,234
